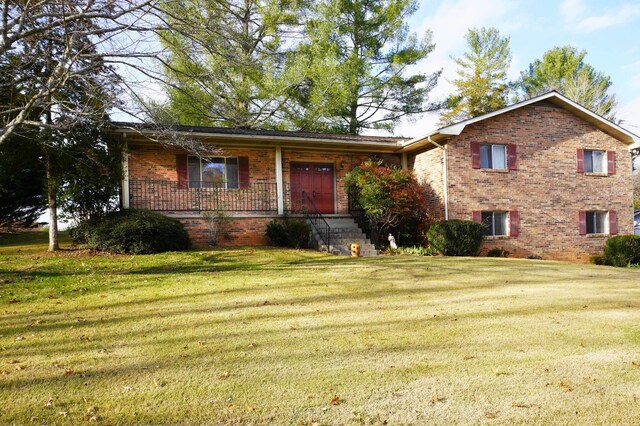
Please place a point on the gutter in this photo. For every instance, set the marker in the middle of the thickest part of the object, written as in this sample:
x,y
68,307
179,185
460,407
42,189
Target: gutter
x,y
445,177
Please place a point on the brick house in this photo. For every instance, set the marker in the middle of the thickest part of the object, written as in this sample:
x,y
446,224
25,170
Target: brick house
x,y
546,176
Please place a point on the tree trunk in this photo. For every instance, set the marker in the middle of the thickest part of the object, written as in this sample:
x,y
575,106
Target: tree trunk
x,y
52,198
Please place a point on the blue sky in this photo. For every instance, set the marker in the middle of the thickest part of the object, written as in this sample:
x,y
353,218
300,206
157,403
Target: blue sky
x,y
607,30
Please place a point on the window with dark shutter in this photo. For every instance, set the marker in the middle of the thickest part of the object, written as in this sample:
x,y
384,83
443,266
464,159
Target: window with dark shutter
x,y
475,155
182,169
611,162
512,157
580,160
613,222
514,223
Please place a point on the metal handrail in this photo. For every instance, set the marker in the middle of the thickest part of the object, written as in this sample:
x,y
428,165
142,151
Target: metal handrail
x,y
361,218
317,220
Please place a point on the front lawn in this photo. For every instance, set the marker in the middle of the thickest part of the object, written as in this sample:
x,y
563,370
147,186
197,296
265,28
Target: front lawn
x,y
270,336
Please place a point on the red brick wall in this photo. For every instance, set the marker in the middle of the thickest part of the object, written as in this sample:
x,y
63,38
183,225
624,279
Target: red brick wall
x,y
546,189
428,169
240,231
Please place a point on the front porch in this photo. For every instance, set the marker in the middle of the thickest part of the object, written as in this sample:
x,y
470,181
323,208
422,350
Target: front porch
x,y
250,184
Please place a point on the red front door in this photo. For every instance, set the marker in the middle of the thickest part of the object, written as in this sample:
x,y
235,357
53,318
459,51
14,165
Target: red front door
x,y
316,180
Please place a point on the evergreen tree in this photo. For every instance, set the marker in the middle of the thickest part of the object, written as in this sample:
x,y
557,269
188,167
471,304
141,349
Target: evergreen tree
x,y
356,65
228,68
482,85
563,69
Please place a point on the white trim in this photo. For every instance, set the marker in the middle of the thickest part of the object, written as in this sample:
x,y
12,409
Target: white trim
x,y
125,176
563,101
279,181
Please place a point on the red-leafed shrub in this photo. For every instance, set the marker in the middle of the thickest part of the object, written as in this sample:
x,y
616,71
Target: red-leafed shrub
x,y
392,199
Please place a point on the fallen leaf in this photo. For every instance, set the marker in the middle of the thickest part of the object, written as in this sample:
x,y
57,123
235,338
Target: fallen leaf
x,y
335,400
49,403
519,405
490,415
635,363
128,388
565,386
68,371
14,361
223,375
435,399
63,413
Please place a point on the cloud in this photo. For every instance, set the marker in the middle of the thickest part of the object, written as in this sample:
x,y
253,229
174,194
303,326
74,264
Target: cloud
x,y
577,16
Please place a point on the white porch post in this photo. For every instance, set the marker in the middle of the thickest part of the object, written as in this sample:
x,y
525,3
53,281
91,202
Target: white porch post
x,y
405,162
279,181
125,175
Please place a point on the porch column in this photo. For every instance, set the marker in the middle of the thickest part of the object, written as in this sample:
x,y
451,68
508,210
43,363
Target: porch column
x,y
405,162
279,181
125,175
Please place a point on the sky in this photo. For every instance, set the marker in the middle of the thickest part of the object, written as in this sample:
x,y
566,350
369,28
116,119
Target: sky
x,y
607,30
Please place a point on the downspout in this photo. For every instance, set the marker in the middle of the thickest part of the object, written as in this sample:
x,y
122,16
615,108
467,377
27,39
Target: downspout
x,y
444,177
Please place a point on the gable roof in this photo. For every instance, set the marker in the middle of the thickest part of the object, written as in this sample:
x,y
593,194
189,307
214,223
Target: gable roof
x,y
554,97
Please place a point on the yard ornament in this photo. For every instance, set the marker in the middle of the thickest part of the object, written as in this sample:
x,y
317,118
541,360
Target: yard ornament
x,y
392,242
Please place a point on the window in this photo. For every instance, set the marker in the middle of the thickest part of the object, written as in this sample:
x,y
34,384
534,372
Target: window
x,y
597,222
493,156
495,223
594,161
213,172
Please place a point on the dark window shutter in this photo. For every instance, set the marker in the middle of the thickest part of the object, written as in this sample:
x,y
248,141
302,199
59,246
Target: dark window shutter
x,y
476,216
582,222
613,222
182,168
580,160
514,223
243,171
611,162
512,157
475,155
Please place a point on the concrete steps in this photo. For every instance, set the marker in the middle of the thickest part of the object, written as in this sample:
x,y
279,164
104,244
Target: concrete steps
x,y
344,232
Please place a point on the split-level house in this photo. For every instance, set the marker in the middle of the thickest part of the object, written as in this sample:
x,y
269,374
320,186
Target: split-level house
x,y
546,176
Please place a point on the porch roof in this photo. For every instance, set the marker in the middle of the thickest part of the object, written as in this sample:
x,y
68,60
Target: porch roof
x,y
248,137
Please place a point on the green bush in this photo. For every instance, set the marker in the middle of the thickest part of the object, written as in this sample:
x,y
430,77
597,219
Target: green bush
x,y
414,251
456,237
289,233
131,231
597,260
622,250
498,252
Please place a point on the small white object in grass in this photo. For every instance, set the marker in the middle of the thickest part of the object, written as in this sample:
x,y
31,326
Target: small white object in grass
x,y
392,242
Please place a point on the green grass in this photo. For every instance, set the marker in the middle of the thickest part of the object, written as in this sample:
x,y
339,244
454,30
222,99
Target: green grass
x,y
269,336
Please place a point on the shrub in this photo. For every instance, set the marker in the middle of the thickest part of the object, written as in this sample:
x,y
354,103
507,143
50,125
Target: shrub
x,y
392,199
622,250
456,237
597,260
289,233
498,252
276,234
131,231
414,251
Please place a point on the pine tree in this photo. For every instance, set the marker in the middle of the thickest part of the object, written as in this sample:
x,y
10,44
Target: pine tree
x,y
356,64
482,85
563,69
228,68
